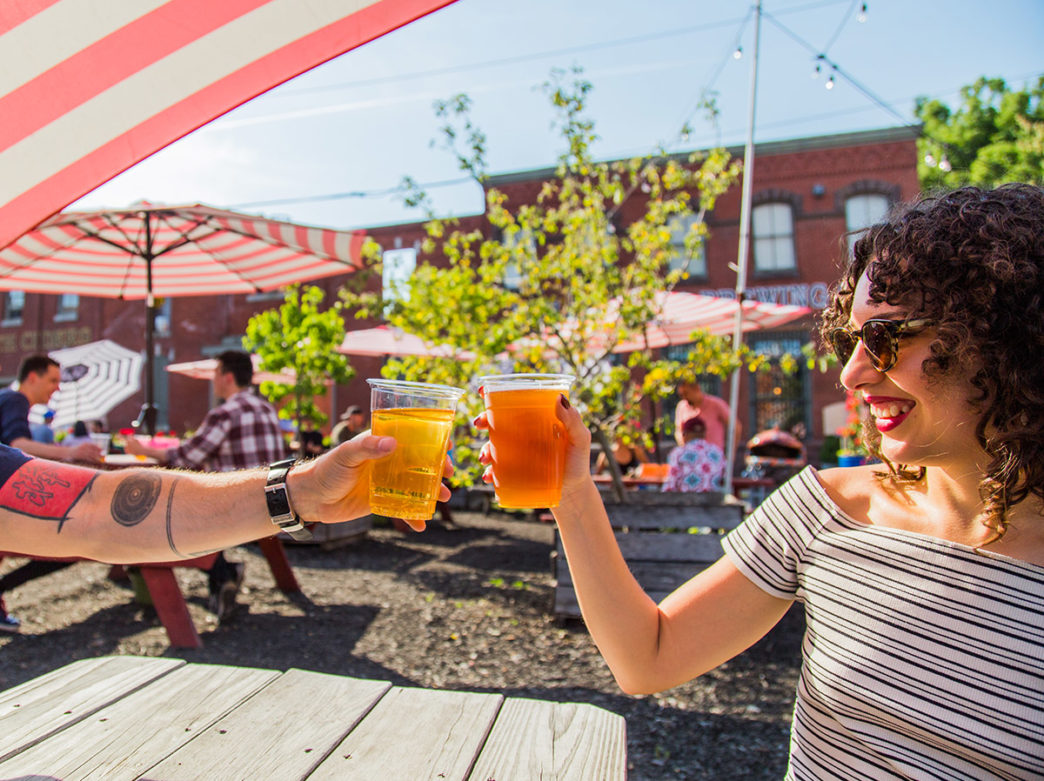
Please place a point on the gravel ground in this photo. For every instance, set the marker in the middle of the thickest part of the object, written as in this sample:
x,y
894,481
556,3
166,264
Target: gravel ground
x,y
461,608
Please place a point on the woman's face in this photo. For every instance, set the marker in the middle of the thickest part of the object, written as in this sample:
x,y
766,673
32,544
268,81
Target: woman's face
x,y
923,421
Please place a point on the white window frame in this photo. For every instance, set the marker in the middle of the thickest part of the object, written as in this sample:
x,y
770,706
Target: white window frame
x,y
68,307
772,228
397,266
862,211
13,314
695,266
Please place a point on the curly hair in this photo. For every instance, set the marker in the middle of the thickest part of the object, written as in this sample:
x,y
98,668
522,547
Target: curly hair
x,y
972,261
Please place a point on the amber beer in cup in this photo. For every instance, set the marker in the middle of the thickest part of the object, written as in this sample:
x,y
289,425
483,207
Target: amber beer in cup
x,y
527,440
405,483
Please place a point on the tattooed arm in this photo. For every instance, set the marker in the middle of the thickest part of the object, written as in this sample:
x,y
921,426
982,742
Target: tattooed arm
x,y
137,515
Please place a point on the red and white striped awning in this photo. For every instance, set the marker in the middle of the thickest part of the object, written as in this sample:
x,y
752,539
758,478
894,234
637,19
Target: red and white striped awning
x,y
90,87
682,313
193,251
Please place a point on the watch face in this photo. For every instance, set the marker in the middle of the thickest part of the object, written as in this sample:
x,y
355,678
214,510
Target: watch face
x,y
278,504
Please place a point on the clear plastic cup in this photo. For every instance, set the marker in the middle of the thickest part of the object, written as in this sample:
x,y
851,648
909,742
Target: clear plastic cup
x,y
405,484
527,440
103,441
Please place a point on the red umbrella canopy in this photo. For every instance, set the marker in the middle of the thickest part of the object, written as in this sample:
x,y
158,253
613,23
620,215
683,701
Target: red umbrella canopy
x,y
90,87
172,251
682,313
383,341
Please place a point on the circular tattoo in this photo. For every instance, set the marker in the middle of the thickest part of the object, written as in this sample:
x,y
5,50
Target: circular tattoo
x,y
134,499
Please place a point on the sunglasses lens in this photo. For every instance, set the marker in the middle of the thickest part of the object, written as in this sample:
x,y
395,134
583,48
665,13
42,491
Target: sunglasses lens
x,y
879,344
843,344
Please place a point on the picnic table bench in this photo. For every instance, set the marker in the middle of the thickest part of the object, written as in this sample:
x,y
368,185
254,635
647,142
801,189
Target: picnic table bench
x,y
127,717
166,594
665,538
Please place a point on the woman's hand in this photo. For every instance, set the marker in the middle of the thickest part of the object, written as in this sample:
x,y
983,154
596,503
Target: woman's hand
x,y
577,471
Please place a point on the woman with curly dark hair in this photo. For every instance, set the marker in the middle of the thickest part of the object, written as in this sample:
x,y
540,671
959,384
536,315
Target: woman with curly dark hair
x,y
922,578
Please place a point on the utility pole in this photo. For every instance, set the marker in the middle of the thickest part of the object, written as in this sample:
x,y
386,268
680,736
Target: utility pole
x,y
741,260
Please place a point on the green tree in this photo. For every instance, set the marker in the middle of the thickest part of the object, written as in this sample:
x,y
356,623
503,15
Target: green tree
x,y
559,283
995,135
302,337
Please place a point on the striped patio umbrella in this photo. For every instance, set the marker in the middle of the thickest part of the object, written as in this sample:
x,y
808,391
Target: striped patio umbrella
x,y
146,250
95,378
88,88
682,313
383,341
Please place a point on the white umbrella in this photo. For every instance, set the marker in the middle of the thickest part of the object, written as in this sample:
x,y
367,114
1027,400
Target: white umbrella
x,y
95,378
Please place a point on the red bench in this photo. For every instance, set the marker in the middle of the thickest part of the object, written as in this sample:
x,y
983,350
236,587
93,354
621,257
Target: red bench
x,y
166,594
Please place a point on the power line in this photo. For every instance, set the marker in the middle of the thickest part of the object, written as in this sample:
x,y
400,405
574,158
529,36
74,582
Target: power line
x,y
548,53
349,194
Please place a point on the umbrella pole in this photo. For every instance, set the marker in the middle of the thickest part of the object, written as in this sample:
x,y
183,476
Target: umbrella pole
x,y
741,260
147,417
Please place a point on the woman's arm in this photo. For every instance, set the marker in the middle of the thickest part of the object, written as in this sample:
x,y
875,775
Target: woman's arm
x,y
650,647
139,515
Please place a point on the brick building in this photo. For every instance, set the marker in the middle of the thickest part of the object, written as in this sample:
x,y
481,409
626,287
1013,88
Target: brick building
x,y
806,194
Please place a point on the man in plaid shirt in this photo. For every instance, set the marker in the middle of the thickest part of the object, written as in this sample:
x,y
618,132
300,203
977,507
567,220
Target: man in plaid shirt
x,y
240,433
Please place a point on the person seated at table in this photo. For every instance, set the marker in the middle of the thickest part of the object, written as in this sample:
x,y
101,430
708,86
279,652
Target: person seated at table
x,y
696,465
627,457
242,431
78,435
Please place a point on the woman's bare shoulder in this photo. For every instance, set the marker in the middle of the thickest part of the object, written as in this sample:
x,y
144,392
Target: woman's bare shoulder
x,y
853,488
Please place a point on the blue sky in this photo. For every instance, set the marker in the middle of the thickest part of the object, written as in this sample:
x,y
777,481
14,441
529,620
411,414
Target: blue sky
x,y
357,125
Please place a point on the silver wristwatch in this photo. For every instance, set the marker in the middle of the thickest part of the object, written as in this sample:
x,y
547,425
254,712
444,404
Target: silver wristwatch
x,y
278,500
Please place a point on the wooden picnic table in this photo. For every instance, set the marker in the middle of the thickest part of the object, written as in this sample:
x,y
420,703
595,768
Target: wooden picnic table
x,y
128,717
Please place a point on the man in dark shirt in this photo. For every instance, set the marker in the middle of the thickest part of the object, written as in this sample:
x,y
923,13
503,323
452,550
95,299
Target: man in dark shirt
x,y
38,379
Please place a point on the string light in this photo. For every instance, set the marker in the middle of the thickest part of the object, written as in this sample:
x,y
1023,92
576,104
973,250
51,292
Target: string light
x,y
820,58
738,54
862,14
830,81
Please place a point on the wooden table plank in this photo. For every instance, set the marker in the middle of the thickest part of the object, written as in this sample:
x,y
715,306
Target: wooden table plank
x,y
415,734
46,705
124,740
555,742
282,732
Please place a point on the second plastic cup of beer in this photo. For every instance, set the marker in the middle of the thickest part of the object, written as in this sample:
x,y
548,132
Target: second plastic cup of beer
x,y
527,440
405,484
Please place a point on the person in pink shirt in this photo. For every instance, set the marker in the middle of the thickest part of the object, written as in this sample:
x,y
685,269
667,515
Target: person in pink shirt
x,y
713,411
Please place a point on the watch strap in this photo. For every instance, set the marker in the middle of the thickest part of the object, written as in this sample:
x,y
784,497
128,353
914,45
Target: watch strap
x,y
277,498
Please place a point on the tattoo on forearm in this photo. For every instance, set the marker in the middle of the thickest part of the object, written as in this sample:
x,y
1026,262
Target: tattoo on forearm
x,y
46,490
170,527
135,497
170,518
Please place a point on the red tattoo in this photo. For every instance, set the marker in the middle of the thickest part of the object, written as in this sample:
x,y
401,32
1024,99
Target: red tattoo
x,y
44,489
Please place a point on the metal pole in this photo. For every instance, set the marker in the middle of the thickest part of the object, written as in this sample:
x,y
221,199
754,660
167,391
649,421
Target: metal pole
x,y
741,259
147,417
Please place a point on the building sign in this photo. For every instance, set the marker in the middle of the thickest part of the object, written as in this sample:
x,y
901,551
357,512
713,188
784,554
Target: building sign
x,y
31,341
815,295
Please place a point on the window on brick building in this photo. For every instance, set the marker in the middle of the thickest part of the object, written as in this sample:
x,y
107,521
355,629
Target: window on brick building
x,y
862,211
68,307
681,258
399,265
14,307
772,226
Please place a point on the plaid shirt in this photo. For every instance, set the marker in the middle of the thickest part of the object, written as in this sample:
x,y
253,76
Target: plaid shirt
x,y
243,432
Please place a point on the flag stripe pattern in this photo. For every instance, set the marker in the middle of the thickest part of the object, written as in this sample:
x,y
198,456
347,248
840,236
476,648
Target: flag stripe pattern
x,y
90,87
922,658
195,250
